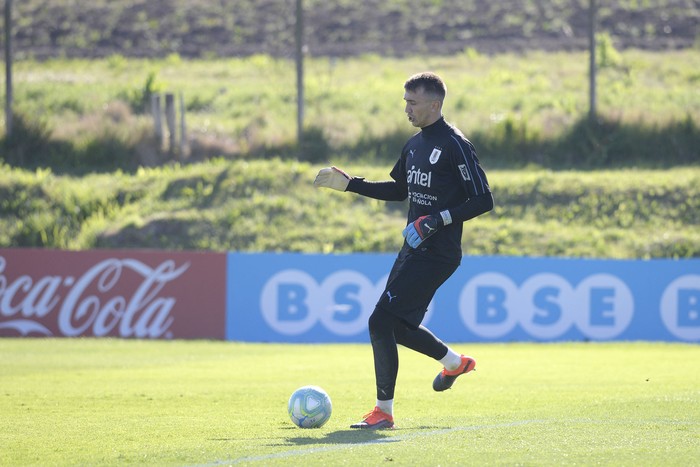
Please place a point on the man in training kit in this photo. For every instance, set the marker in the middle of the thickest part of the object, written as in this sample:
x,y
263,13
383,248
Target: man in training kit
x,y
440,174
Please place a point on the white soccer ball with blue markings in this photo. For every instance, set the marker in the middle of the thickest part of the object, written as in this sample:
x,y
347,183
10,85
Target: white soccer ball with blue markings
x,y
309,407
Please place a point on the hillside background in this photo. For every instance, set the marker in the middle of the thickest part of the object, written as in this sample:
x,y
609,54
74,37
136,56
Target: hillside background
x,y
227,28
83,169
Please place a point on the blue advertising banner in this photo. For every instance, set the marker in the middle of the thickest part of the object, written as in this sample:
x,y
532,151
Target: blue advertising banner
x,y
294,297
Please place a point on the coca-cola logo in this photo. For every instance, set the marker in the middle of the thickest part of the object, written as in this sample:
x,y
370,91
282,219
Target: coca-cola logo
x,y
92,303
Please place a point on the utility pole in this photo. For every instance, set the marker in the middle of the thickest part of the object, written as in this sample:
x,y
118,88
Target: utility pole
x,y
8,69
592,60
300,69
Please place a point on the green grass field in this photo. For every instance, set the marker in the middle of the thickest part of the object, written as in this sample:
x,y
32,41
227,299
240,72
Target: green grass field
x,y
518,109
107,402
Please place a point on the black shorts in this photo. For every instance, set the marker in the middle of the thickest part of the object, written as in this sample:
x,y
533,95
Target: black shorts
x,y
412,283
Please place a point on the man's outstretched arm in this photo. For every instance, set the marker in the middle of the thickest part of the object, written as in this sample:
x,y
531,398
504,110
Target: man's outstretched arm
x,y
337,179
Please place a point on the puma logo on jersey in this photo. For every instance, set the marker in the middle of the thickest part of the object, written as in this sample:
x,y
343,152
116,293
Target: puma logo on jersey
x,y
391,297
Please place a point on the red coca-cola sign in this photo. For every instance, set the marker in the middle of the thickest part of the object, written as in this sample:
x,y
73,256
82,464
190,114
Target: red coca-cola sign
x,y
115,293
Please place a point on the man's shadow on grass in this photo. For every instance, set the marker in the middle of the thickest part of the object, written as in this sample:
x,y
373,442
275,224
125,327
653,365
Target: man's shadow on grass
x,y
345,437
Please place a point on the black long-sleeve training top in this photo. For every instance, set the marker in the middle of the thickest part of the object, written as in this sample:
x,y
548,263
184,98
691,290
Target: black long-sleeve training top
x,y
438,170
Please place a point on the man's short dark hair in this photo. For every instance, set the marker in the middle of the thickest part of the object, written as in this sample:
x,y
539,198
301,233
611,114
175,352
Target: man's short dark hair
x,y
429,82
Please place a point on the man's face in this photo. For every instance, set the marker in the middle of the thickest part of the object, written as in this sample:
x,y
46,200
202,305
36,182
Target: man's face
x,y
422,109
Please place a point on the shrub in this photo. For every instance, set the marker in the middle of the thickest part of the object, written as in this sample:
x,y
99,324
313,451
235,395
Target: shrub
x,y
29,142
139,99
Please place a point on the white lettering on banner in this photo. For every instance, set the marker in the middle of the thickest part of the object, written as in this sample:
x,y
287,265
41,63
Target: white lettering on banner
x,y
143,315
292,302
543,316
347,300
680,307
603,306
491,305
546,305
284,302
485,302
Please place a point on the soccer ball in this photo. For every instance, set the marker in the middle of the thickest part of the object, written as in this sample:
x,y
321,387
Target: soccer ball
x,y
309,407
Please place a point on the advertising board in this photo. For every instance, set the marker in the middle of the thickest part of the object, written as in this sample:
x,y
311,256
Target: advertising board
x,y
112,293
328,298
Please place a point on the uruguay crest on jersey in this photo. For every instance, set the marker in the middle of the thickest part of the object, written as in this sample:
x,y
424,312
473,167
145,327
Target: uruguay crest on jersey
x,y
435,155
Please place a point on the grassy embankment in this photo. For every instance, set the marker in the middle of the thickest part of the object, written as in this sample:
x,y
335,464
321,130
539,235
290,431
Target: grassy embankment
x,y
272,206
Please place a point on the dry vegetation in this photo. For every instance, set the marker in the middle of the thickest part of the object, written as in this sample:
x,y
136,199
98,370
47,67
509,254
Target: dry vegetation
x,y
213,28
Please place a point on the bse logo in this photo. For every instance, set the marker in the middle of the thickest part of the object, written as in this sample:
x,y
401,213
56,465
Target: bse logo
x,y
546,306
292,302
680,307
491,305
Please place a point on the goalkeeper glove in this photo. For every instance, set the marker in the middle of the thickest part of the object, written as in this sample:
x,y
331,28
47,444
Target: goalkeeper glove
x,y
332,177
425,226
